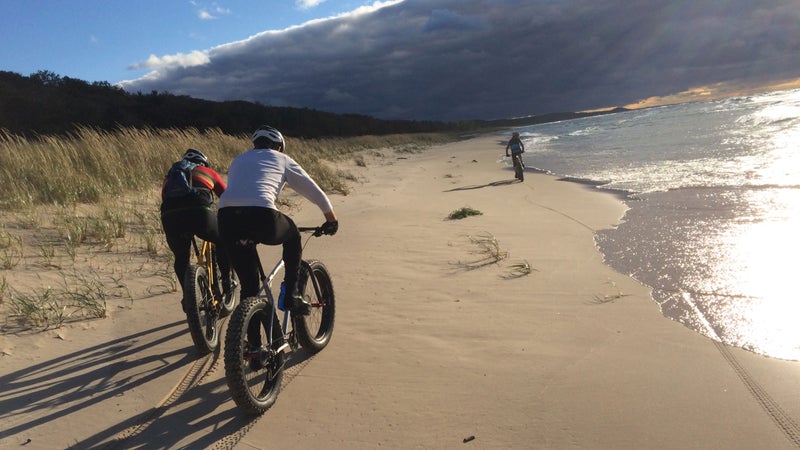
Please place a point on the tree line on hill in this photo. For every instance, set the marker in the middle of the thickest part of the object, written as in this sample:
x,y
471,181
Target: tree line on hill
x,y
45,103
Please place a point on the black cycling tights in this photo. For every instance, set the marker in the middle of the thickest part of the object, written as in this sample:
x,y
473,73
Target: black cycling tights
x,y
181,226
259,226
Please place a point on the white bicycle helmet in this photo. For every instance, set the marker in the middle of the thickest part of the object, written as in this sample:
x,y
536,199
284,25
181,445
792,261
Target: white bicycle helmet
x,y
196,156
270,134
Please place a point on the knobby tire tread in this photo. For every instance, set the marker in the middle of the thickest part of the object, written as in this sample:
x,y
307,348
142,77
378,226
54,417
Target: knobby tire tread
x,y
236,369
230,305
196,283
315,330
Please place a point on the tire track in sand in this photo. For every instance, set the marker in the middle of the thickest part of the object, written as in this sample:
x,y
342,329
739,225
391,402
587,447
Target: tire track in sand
x,y
783,420
289,373
196,373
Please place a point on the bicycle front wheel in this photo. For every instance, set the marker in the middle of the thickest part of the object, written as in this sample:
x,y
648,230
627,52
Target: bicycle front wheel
x,y
254,355
518,168
201,315
314,330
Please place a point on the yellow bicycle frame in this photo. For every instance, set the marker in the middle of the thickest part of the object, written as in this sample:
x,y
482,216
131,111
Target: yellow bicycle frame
x,y
205,259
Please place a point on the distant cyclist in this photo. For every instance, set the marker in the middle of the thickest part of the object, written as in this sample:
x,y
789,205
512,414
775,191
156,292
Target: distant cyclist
x,y
517,149
186,211
248,214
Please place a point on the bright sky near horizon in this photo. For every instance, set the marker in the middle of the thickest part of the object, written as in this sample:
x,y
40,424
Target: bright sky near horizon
x,y
102,40
412,59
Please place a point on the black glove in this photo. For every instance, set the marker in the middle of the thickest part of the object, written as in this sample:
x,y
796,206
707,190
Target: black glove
x,y
329,228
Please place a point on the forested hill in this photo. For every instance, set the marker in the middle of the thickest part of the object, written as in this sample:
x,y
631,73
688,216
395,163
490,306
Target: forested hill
x,y
46,103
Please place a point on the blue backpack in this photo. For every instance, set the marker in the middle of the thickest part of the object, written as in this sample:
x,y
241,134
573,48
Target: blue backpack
x,y
179,181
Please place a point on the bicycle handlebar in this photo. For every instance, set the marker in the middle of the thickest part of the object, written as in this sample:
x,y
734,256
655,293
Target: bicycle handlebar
x,y
316,231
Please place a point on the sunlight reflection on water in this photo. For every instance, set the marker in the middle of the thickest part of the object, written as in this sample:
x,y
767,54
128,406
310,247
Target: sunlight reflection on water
x,y
714,220
758,264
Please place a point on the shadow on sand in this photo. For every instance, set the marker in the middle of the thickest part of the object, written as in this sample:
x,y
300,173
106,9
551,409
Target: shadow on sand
x,y
480,186
199,412
202,415
54,389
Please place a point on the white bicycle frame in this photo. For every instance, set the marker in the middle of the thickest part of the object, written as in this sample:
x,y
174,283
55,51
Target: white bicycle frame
x,y
266,291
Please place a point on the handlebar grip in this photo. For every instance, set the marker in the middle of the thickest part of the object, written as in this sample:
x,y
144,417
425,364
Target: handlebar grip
x,y
316,231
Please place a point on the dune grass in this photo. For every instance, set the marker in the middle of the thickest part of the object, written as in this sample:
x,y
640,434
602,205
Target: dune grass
x,y
79,297
69,199
88,165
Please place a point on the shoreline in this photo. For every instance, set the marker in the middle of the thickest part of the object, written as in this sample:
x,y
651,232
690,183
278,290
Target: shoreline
x,y
433,345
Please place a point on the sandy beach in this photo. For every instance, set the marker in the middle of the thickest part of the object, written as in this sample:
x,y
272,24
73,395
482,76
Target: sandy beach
x,y
434,346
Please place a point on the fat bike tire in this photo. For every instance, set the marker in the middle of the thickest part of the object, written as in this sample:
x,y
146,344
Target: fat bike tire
x,y
254,372
201,315
519,168
229,302
314,331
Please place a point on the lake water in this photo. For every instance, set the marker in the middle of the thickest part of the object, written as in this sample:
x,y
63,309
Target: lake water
x,y
714,219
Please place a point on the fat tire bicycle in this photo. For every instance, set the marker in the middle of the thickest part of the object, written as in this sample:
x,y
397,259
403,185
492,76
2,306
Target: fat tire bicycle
x,y
206,303
254,370
519,166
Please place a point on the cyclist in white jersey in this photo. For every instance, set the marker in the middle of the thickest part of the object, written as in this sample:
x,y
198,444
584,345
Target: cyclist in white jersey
x,y
248,215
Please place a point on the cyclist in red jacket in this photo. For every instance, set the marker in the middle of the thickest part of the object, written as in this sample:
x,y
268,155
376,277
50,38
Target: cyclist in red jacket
x,y
186,216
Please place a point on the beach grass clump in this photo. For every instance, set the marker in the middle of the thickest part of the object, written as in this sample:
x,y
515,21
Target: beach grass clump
x,y
80,297
168,283
6,239
519,269
48,252
489,247
463,213
11,250
3,289
488,250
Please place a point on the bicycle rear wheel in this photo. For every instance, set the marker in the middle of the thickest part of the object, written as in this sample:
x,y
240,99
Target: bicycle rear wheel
x,y
201,315
314,330
254,358
229,301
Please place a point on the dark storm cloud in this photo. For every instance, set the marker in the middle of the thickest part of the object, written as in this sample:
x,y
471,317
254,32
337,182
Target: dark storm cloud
x,y
465,59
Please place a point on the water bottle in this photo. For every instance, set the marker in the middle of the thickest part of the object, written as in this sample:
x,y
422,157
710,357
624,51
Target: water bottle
x,y
281,296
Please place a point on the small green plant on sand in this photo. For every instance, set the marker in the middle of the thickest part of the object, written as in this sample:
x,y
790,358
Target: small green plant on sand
x,y
464,212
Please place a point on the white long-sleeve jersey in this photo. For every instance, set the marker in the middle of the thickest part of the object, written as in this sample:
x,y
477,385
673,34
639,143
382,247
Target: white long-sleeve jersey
x,y
257,176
